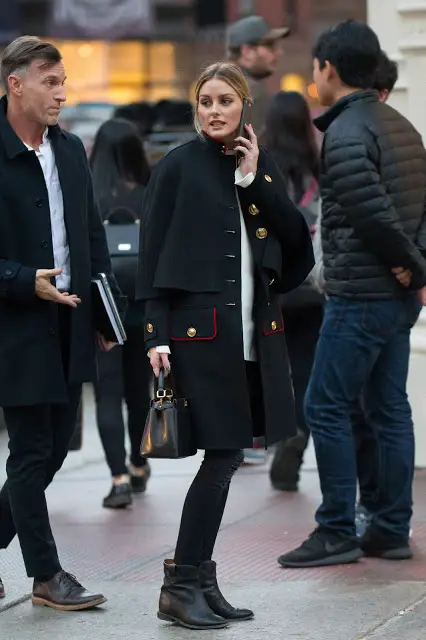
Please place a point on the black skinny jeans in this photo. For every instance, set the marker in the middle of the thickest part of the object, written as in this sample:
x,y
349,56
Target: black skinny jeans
x,y
124,373
204,506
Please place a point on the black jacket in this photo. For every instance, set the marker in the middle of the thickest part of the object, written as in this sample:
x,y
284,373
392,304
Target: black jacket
x,y
190,276
373,188
31,369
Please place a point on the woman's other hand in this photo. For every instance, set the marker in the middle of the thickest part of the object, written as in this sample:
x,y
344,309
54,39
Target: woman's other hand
x,y
159,360
249,150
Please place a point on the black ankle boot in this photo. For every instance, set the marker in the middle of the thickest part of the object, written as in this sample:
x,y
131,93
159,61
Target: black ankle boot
x,y
214,597
182,600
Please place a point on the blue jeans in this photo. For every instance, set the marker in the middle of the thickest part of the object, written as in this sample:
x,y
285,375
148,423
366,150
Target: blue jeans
x,y
364,347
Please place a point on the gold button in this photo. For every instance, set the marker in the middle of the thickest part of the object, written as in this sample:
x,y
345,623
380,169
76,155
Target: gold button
x,y
273,325
149,327
261,233
253,210
268,178
192,332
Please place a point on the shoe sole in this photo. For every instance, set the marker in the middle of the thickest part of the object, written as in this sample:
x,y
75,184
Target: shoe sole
x,y
165,618
67,607
343,558
120,504
285,486
391,554
244,619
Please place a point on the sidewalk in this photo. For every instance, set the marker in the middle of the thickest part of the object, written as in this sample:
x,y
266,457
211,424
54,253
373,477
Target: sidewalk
x,y
121,553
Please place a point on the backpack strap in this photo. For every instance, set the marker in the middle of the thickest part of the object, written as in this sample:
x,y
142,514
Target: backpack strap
x,y
309,194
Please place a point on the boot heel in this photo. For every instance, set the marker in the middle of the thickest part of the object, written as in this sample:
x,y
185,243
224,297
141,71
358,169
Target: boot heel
x,y
164,617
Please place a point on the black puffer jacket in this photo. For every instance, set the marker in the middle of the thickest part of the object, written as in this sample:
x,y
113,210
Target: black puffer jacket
x,y
373,189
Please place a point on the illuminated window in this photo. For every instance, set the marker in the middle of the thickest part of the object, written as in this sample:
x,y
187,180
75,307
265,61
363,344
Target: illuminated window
x,y
292,82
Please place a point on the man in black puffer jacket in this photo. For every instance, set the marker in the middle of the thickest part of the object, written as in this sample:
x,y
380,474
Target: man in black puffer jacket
x,y
373,187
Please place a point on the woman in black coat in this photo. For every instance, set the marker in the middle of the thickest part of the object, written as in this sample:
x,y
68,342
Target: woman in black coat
x,y
220,240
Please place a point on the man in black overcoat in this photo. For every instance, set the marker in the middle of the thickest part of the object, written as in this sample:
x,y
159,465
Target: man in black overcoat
x,y
52,242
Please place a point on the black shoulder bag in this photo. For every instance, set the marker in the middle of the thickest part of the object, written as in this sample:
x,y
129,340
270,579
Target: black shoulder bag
x,y
168,432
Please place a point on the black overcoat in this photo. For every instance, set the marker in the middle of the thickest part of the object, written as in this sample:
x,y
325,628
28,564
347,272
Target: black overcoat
x,y
190,276
31,370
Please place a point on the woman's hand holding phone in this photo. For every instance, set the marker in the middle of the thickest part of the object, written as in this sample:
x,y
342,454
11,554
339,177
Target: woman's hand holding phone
x,y
249,151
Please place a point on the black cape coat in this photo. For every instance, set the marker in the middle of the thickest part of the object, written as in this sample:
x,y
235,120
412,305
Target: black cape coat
x,y
189,274
31,370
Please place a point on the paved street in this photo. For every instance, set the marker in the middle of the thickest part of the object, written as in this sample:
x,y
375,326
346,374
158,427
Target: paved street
x,y
121,553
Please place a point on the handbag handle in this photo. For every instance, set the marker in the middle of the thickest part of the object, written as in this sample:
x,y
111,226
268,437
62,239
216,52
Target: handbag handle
x,y
161,392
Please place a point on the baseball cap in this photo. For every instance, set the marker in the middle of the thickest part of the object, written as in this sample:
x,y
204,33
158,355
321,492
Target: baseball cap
x,y
253,30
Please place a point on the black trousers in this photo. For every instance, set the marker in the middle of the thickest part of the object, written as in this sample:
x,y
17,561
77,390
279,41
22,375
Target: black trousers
x,y
124,373
302,327
39,438
204,506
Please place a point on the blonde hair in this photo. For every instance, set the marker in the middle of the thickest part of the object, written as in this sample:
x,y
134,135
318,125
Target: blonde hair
x,y
229,73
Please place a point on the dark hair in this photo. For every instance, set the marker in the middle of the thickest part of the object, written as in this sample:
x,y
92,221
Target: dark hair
x,y
140,113
387,74
289,137
353,49
20,53
117,158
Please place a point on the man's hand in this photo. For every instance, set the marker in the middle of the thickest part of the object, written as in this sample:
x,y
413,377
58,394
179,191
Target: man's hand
x,y
422,295
45,290
103,344
159,360
403,275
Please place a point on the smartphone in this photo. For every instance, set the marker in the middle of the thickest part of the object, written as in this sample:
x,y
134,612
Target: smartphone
x,y
245,119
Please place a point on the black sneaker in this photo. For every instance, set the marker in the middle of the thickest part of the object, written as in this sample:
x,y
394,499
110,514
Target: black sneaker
x,y
378,545
321,549
2,591
119,497
140,482
288,458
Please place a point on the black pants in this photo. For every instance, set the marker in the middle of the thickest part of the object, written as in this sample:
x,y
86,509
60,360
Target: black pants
x,y
302,327
39,437
204,506
124,373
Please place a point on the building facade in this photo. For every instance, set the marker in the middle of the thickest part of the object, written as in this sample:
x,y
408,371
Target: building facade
x,y
159,52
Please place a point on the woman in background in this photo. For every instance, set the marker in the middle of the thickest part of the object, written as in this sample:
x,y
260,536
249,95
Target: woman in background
x,y
289,138
120,173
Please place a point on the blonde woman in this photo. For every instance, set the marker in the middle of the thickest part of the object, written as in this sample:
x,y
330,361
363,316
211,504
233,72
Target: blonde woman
x,y
220,240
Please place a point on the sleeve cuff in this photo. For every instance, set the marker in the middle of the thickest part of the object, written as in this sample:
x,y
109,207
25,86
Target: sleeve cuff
x,y
243,181
160,349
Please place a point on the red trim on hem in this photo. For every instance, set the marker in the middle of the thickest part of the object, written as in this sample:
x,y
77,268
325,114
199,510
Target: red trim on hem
x,y
195,339
269,333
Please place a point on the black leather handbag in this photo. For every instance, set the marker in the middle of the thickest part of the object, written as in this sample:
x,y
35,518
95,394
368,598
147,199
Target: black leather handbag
x,y
168,432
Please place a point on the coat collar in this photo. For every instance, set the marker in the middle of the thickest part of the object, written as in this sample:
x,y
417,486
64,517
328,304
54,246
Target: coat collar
x,y
364,96
216,146
12,143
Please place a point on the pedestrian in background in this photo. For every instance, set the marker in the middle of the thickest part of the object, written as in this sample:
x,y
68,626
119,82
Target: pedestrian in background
x,y
220,240
367,446
120,174
52,243
365,432
289,138
374,246
256,48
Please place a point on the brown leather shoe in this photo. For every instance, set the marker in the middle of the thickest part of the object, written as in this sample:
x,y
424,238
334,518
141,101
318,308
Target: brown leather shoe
x,y
2,591
65,593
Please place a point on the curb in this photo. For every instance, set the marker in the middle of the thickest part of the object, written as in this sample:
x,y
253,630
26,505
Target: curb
x,y
6,605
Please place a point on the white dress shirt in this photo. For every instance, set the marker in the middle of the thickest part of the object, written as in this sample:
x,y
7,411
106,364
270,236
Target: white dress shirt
x,y
247,278
61,252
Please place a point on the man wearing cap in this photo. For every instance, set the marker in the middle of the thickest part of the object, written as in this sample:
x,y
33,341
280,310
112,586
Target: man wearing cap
x,y
254,46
